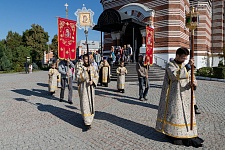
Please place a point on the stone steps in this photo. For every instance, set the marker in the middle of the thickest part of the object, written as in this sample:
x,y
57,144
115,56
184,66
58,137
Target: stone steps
x,y
156,73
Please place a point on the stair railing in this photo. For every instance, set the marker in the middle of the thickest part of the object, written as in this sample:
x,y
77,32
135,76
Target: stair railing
x,y
160,61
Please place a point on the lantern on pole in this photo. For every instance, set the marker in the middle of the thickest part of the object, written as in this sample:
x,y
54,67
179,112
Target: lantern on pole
x,y
192,21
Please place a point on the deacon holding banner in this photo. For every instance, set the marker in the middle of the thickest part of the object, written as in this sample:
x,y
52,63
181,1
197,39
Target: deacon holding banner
x,y
66,52
87,78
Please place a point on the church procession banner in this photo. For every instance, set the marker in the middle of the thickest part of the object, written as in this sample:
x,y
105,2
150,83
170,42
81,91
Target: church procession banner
x,y
149,45
66,39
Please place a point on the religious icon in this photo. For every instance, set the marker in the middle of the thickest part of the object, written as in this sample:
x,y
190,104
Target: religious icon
x,y
85,19
149,40
67,33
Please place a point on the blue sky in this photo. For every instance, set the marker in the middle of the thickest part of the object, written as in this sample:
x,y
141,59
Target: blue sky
x,y
19,15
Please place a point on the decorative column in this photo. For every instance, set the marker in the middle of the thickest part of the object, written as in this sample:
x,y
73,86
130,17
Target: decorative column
x,y
143,33
151,19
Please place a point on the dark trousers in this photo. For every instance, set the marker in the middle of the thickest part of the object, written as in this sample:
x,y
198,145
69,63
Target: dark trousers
x,y
70,88
26,70
142,85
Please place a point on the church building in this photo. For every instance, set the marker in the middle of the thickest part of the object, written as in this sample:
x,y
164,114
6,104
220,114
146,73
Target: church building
x,y
124,22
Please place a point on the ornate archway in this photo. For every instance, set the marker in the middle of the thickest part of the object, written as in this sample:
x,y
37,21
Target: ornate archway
x,y
137,10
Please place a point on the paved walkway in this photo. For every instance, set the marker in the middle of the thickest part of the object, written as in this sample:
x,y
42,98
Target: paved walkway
x,y
32,119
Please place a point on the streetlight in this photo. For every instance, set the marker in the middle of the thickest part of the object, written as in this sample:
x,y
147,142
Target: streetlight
x,y
192,21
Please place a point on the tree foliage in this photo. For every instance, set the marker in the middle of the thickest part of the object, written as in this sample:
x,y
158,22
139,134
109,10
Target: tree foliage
x,y
13,40
36,38
5,63
15,48
54,45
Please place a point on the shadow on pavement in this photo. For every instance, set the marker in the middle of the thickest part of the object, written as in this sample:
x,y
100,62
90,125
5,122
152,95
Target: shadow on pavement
x,y
42,84
138,103
105,92
137,128
71,107
68,116
36,92
123,98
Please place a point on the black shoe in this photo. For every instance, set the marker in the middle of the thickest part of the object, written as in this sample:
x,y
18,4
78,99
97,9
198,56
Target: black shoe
x,y
177,142
140,98
145,98
52,93
70,102
196,112
123,91
87,127
196,109
60,100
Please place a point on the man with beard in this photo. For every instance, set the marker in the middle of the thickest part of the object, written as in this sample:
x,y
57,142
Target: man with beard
x,y
87,78
174,109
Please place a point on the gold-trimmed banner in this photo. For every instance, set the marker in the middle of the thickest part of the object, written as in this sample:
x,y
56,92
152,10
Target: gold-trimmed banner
x,y
66,39
149,45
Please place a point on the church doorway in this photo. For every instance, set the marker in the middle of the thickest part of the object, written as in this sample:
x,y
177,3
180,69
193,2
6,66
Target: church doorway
x,y
132,36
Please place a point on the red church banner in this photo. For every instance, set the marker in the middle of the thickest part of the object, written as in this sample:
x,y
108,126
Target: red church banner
x,y
149,45
66,39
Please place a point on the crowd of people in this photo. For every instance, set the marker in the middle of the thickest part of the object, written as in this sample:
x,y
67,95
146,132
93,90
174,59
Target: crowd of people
x,y
89,71
174,110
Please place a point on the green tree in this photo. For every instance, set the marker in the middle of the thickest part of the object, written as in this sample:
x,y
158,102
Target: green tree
x,y
5,64
20,57
13,41
36,39
54,45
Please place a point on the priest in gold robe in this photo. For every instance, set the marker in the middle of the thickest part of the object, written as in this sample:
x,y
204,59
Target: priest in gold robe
x,y
174,109
121,72
104,73
87,78
53,77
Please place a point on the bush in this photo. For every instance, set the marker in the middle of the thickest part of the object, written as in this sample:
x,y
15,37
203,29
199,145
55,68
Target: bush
x,y
219,72
205,72
18,68
35,67
5,64
220,64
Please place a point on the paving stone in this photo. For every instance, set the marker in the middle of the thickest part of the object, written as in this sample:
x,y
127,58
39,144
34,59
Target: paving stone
x,y
32,119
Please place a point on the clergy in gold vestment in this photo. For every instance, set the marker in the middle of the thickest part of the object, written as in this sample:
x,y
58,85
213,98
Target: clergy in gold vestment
x,y
104,73
52,82
175,103
121,71
86,91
